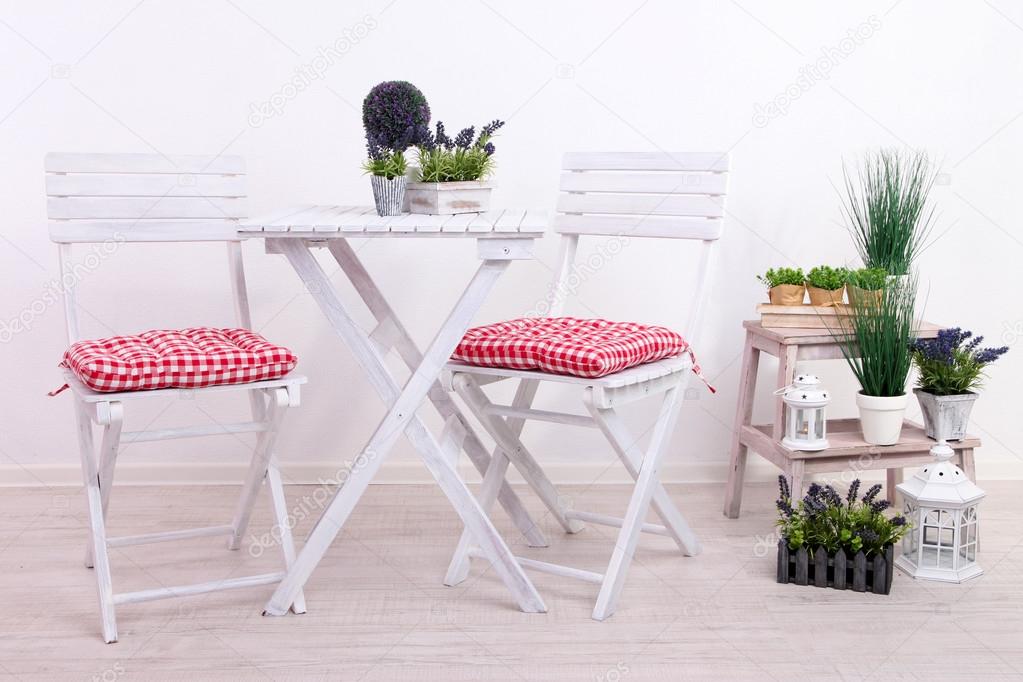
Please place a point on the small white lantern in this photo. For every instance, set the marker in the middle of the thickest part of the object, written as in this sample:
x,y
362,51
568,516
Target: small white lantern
x,y
941,503
806,425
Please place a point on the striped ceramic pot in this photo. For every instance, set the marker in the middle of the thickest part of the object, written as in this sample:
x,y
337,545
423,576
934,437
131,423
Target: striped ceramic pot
x,y
389,194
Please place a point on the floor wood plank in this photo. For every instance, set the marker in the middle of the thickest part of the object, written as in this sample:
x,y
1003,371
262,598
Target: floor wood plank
x,y
378,610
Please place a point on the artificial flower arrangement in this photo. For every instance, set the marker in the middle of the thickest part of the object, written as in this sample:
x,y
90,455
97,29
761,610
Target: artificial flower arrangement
x,y
833,541
394,115
951,371
453,171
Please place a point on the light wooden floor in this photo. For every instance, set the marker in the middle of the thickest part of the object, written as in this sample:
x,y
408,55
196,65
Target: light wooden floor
x,y
378,610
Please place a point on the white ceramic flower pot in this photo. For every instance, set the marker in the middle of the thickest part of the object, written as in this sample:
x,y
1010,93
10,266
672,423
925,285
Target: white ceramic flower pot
x,y
881,417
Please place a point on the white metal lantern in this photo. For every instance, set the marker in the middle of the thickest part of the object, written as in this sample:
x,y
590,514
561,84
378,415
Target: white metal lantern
x,y
941,503
806,425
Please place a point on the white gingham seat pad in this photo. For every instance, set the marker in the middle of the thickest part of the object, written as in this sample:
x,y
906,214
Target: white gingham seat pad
x,y
177,358
568,345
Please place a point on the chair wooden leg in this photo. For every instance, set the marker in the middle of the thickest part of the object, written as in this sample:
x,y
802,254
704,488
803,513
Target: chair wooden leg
x,y
639,504
258,466
743,417
109,446
613,427
97,527
493,479
280,507
466,387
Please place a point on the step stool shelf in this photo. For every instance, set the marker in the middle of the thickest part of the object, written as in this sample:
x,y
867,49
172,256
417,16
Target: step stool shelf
x,y
847,451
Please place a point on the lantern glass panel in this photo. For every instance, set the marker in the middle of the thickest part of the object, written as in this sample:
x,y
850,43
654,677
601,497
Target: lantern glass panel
x,y
819,423
802,428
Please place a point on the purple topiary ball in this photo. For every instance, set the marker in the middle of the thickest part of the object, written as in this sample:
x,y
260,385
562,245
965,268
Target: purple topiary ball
x,y
393,112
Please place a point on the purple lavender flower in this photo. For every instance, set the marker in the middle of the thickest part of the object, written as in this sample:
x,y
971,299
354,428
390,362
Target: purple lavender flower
x,y
391,110
898,520
868,536
785,508
871,493
854,490
489,148
783,487
879,506
464,137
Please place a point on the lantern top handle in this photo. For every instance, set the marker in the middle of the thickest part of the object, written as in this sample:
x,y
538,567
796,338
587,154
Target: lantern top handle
x,y
802,381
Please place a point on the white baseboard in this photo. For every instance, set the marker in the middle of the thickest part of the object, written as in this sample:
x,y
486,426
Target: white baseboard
x,y
413,472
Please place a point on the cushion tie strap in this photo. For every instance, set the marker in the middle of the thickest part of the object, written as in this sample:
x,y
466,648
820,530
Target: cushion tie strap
x,y
58,390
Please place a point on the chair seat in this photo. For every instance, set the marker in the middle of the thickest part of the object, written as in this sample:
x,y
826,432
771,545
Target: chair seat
x,y
192,358
627,377
589,348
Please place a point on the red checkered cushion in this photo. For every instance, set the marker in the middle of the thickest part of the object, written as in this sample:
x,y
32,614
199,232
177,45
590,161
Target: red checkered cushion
x,y
177,358
569,345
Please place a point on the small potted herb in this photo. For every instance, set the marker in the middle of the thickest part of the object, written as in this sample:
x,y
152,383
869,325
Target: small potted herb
x,y
826,285
875,341
453,171
832,541
785,286
951,370
866,284
394,114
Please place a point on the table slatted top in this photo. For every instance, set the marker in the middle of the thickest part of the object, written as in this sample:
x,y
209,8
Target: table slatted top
x,y
310,219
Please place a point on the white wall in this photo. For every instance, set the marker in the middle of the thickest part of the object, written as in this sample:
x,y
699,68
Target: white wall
x,y
182,77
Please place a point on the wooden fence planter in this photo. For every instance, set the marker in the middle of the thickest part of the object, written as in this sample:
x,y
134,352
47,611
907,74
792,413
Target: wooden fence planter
x,y
819,568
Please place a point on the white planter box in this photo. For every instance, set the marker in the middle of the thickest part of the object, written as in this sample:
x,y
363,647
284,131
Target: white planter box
x,y
448,198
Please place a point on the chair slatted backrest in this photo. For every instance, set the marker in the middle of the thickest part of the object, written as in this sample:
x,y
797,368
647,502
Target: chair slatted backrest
x,y
642,194
101,198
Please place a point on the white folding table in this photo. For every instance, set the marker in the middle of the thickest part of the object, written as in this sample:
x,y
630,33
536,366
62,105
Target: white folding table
x,y
501,236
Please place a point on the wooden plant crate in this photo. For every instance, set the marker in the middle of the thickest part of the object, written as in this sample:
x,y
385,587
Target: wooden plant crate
x,y
448,198
838,571
803,316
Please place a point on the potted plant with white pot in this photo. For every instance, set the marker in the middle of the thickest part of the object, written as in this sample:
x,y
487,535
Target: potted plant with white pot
x,y
394,114
875,341
951,370
453,172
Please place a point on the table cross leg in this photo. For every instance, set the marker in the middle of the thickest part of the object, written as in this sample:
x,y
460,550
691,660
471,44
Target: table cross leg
x,y
410,354
401,417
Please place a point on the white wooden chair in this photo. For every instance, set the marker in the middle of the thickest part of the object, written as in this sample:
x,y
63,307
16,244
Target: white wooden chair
x,y
115,198
677,196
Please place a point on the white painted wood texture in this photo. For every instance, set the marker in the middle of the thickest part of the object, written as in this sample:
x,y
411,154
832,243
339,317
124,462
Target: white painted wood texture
x,y
401,417
683,199
373,617
144,197
130,191
301,220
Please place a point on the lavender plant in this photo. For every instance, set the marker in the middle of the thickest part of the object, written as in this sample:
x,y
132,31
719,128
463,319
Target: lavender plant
x,y
952,363
394,115
465,157
823,518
